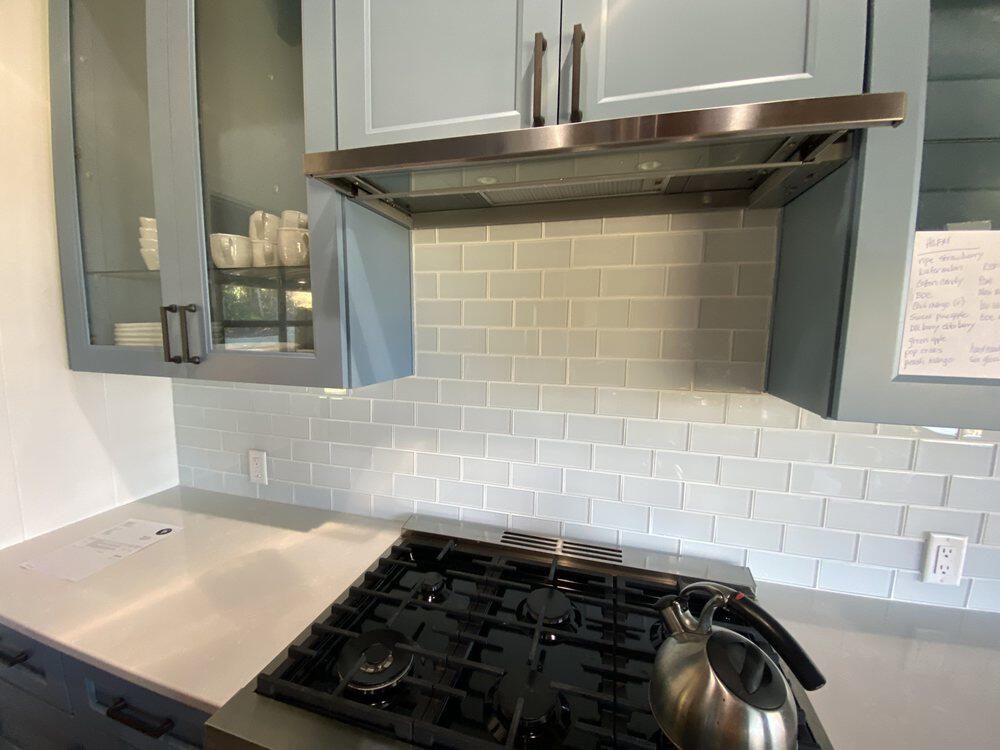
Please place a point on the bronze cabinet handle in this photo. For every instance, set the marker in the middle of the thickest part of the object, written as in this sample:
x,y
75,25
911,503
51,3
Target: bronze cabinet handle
x,y
538,119
185,348
116,712
165,329
12,660
575,114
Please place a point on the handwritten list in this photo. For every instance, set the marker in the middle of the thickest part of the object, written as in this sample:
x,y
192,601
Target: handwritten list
x,y
952,323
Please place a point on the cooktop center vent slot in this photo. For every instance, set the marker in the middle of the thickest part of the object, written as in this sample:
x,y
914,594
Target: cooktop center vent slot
x,y
596,552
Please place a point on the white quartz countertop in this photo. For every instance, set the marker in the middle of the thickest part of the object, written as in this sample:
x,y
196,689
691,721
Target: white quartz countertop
x,y
197,615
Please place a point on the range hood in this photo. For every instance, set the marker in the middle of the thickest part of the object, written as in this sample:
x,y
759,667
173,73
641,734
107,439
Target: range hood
x,y
758,155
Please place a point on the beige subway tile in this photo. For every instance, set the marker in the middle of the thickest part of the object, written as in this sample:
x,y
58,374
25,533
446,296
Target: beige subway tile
x,y
630,224
632,282
701,280
704,219
610,313
757,245
462,285
583,282
515,284
515,231
602,251
660,374
669,247
542,254
628,344
551,313
493,313
462,234
664,313
735,312
488,256
597,371
437,258
696,344
572,228
540,370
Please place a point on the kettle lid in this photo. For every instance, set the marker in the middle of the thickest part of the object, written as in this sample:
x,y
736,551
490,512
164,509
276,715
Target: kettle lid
x,y
746,671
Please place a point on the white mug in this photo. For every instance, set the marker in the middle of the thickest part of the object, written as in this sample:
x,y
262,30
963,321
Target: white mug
x,y
149,244
265,253
145,233
151,257
147,222
294,220
293,245
231,250
264,226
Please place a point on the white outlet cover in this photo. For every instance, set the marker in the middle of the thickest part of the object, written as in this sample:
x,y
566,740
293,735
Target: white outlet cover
x,y
944,558
258,466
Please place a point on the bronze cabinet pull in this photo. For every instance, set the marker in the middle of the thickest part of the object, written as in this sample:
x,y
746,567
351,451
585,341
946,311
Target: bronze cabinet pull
x,y
538,119
185,348
165,329
575,114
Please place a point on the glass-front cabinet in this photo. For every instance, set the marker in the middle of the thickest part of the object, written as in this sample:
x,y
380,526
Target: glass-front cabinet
x,y
192,243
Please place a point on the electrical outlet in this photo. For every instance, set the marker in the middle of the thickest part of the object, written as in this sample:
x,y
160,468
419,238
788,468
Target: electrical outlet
x,y
944,558
258,466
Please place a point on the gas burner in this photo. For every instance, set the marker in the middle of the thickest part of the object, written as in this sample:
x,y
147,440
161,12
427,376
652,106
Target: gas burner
x,y
552,607
373,661
544,717
430,588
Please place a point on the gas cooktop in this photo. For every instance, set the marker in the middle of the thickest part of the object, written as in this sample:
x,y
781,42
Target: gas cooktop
x,y
531,642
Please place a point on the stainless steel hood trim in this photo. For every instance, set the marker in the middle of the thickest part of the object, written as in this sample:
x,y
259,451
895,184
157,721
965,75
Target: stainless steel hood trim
x,y
792,117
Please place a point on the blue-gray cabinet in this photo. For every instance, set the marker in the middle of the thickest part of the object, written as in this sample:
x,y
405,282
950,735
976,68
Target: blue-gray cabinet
x,y
846,245
441,68
50,701
191,244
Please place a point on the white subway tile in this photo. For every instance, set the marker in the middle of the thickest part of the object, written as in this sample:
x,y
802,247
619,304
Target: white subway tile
x,y
756,279
619,515
597,371
648,281
516,231
817,542
623,460
313,497
439,365
437,257
973,493
734,312
688,467
592,534
534,477
790,569
854,579
709,498
564,453
463,392
311,451
572,228
415,438
909,587
746,533
921,521
749,346
392,460
991,534
714,219
741,377
470,340
462,443
627,403
863,515
551,312
874,451
699,280
443,416
492,313
461,493
491,367
779,506
598,313
352,409
602,251
985,595
437,510
596,429
485,471
709,551
438,312
391,508
426,339
725,439
196,437
630,224
543,254
660,544
569,398
701,345
538,424
358,456
669,314
462,285
906,487
669,247
660,492
693,407
563,507
510,448
980,561
461,234
953,457
490,256
487,420
828,480
514,396
329,430
810,421
652,433
682,524
891,552
761,410
752,472
592,483
413,389
436,465
532,525
392,412
660,374
513,341
219,419
510,501
796,445
741,245
573,343
582,282
331,476
515,284
190,416
414,488
364,480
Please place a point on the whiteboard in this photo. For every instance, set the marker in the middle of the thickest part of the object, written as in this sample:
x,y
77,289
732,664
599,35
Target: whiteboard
x,y
951,326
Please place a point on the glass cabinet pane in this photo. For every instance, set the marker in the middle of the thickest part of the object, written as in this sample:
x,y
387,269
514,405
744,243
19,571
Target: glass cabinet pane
x,y
114,171
250,105
960,173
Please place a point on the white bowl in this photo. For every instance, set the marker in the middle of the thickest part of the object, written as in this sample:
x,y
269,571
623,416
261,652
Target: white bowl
x,y
151,257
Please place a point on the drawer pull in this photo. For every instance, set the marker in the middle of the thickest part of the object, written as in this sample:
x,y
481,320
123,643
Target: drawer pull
x,y
116,711
12,660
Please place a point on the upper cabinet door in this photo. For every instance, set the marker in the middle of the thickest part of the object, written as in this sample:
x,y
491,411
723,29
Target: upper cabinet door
x,y
117,242
409,71
643,57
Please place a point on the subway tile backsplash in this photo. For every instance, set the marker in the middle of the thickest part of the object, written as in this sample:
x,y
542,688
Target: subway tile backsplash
x,y
601,379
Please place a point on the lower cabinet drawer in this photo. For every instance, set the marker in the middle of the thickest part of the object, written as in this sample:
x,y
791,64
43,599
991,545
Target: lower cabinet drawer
x,y
32,667
141,718
29,723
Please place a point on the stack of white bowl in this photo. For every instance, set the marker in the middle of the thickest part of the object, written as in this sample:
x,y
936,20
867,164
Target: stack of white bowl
x,y
272,241
149,243
138,334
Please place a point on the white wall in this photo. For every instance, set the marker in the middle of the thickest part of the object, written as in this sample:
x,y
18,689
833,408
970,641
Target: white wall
x,y
71,444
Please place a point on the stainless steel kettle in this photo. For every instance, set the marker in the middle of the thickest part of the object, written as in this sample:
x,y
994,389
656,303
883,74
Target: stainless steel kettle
x,y
713,689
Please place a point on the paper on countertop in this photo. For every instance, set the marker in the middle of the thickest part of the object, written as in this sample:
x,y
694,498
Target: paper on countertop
x,y
952,322
91,554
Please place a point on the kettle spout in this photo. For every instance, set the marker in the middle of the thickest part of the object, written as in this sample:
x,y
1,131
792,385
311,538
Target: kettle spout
x,y
676,616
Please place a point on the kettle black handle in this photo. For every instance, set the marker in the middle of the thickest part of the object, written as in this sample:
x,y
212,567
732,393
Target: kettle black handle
x,y
787,647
